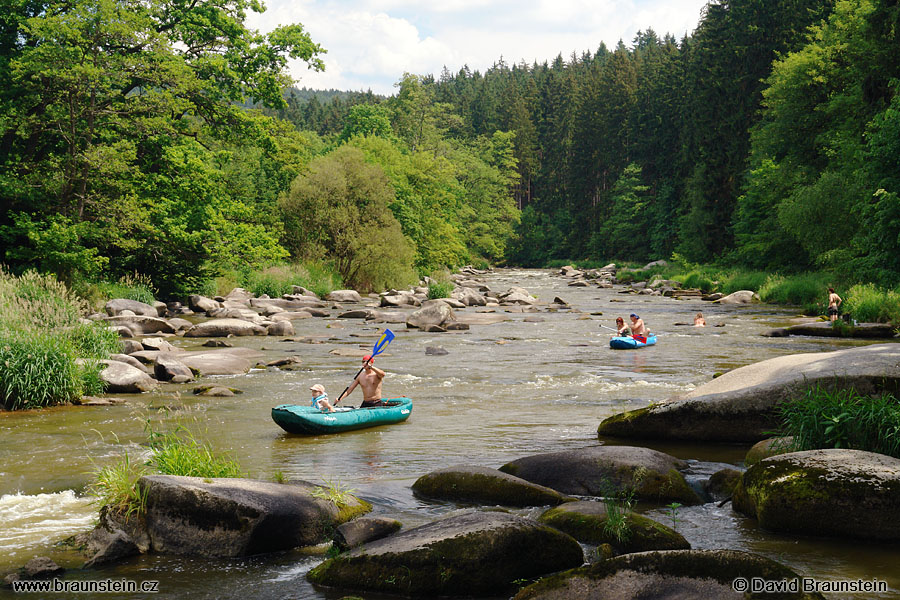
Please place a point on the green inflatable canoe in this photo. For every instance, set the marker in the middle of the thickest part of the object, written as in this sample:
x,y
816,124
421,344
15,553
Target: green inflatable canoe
x,y
294,418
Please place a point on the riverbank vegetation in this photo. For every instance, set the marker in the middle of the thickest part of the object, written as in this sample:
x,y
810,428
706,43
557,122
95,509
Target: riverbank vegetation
x,y
843,419
764,142
48,355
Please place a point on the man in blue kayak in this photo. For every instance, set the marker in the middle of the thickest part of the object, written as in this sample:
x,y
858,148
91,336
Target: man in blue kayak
x,y
638,329
370,381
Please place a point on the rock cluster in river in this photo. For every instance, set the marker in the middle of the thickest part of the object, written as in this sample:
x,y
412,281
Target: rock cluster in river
x,y
147,358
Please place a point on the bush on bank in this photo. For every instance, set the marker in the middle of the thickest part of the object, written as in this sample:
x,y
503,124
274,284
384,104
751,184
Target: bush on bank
x,y
47,355
843,419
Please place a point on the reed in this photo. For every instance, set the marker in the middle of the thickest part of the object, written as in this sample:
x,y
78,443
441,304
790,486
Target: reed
x,y
843,419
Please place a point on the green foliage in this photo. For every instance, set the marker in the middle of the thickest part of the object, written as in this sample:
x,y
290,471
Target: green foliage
x,y
843,419
867,303
47,356
807,289
178,452
439,289
339,209
697,280
367,119
737,280
335,492
116,487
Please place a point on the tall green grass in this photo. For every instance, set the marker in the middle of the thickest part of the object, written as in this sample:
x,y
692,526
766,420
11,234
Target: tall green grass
x,y
843,419
48,355
179,452
132,287
278,280
867,303
809,290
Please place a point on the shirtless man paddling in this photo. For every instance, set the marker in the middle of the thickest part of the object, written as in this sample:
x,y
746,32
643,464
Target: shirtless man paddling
x,y
369,380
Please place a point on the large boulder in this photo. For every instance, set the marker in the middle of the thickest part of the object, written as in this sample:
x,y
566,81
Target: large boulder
x,y
604,470
468,296
741,405
476,553
115,307
804,492
464,483
669,575
860,330
433,312
168,367
292,303
238,517
202,304
121,378
344,296
589,522
141,325
766,448
363,530
740,297
224,361
224,328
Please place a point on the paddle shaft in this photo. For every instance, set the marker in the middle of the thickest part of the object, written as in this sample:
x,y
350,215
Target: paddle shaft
x,y
339,398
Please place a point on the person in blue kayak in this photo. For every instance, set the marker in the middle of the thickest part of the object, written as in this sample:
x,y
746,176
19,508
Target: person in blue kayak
x,y
320,398
638,329
621,327
369,379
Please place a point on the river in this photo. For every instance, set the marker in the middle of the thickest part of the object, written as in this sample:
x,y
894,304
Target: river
x,y
501,392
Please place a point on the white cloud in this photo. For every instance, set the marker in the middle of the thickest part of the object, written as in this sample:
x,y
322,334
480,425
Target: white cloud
x,y
371,43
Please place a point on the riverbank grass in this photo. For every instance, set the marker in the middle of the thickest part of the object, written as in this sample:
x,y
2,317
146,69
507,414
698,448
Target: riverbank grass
x,y
48,355
278,280
843,419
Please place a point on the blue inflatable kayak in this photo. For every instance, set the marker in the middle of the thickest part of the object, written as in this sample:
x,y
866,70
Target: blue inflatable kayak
x,y
294,418
627,342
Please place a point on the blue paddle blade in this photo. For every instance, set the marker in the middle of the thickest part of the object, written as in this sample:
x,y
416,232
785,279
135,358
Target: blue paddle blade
x,y
386,338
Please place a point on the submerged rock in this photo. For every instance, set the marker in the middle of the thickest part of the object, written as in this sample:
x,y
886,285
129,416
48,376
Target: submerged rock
x,y
238,517
476,553
483,485
604,470
670,575
741,405
836,492
588,522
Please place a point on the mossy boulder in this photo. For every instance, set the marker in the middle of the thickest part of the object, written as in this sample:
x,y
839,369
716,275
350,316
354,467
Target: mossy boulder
x,y
364,529
476,553
604,470
742,404
483,485
239,517
587,522
672,574
721,484
841,493
766,448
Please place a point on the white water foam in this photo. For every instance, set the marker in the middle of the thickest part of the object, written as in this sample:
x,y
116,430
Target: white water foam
x,y
603,384
28,521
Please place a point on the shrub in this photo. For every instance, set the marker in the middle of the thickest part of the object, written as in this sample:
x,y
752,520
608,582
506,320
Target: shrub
x,y
439,289
843,419
697,280
736,281
808,290
43,345
867,303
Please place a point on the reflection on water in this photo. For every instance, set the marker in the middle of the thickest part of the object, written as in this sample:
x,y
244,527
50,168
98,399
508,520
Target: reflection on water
x,y
503,391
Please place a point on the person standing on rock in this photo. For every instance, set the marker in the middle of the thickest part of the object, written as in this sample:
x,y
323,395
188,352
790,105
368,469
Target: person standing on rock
x,y
369,379
834,301
638,329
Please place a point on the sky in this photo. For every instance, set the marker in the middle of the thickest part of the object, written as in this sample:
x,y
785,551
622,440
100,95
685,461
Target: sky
x,y
372,43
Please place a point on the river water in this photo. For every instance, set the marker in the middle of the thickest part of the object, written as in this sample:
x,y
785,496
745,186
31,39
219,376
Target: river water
x,y
501,392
